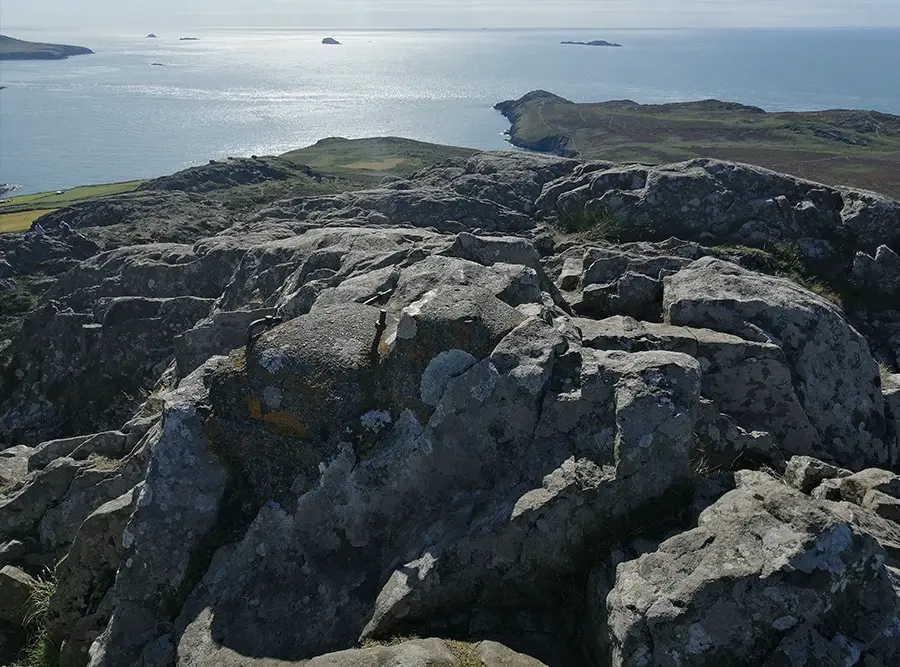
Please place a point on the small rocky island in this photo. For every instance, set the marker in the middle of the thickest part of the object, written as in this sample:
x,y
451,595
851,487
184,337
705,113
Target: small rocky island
x,y
151,36
18,49
188,39
596,42
331,41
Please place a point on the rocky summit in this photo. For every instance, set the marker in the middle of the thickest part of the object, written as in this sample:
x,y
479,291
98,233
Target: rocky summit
x,y
514,410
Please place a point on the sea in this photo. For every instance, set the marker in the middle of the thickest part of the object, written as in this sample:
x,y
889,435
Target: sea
x,y
116,116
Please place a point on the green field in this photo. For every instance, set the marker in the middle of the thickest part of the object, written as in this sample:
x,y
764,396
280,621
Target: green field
x,y
17,213
18,222
376,157
838,147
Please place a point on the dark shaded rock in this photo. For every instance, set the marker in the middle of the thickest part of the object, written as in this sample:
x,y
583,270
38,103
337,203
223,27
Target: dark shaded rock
x,y
806,579
228,174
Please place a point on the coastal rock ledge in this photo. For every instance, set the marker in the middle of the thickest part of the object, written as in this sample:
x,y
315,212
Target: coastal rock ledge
x,y
514,410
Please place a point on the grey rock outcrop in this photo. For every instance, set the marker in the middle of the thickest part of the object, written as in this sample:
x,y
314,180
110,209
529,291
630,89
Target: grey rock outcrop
x,y
455,421
831,365
79,608
805,582
713,201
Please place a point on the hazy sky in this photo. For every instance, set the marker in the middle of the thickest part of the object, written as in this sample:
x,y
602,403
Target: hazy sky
x,y
160,14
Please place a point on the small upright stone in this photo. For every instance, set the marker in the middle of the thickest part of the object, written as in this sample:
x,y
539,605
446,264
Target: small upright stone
x,y
805,473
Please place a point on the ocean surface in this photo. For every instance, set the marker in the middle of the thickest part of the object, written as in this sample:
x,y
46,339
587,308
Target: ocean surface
x,y
114,116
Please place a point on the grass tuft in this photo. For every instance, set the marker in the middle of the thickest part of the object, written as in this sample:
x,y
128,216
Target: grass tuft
x,y
466,653
590,225
392,641
885,372
101,462
41,650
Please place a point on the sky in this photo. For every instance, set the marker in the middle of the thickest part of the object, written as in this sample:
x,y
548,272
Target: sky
x,y
144,15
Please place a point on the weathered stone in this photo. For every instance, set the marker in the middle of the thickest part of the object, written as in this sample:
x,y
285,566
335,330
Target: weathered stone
x,y
801,569
110,444
613,446
835,376
886,533
749,381
493,654
855,487
176,509
11,551
805,473
570,276
219,334
47,452
13,466
79,608
410,653
21,510
724,444
885,506
879,275
15,591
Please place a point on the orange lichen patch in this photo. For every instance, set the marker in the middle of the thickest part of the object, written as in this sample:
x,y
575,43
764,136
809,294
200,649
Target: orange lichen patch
x,y
283,423
286,424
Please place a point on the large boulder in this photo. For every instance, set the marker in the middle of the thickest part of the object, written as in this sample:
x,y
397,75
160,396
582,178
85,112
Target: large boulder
x,y
531,454
15,591
747,380
722,202
176,509
80,607
834,375
769,576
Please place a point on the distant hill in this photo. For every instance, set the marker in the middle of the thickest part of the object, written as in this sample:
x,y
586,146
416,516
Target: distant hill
x,y
17,49
858,148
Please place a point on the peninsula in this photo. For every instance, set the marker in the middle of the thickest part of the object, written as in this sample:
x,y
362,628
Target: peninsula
x,y
18,49
596,42
857,148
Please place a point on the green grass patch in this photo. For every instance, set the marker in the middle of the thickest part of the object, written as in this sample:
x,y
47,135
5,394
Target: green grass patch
x,y
249,197
589,225
374,156
60,199
21,221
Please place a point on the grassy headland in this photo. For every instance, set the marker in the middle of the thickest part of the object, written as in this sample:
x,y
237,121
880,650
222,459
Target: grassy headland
x,y
331,165
374,158
837,147
19,49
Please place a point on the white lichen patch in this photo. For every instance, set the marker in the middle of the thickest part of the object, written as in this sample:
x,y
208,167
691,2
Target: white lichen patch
x,y
375,421
272,396
273,359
